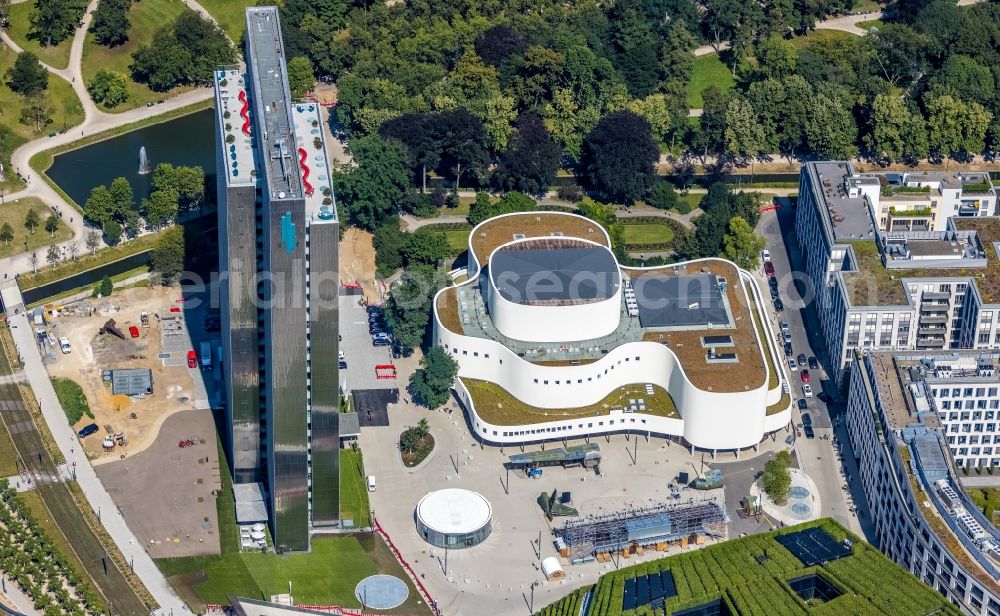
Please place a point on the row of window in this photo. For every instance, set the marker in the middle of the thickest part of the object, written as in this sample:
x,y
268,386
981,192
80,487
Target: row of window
x,y
947,405
964,392
589,378
590,424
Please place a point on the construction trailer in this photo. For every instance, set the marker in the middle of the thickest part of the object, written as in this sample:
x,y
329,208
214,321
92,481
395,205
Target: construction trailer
x,y
587,456
634,530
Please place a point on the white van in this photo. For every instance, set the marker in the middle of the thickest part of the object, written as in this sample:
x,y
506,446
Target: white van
x,y
371,483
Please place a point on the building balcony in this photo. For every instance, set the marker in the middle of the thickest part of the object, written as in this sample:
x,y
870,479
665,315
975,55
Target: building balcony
x,y
933,319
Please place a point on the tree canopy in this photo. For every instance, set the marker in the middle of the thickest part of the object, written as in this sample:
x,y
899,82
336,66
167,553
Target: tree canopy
x,y
110,24
372,190
431,383
27,77
53,21
184,52
619,157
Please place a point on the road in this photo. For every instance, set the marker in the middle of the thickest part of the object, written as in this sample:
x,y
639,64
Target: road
x,y
818,457
100,501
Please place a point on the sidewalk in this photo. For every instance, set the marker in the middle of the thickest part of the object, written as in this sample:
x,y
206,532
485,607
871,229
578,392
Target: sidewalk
x,y
113,522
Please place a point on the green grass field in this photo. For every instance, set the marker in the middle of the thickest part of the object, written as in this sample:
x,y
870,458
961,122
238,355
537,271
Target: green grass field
x,y
871,23
458,239
56,56
229,14
66,108
72,399
353,491
708,70
146,18
14,212
648,233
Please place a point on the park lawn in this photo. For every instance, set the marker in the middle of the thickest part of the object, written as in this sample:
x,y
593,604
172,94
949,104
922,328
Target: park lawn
x,y
648,233
458,239
72,399
66,108
146,18
14,212
871,23
353,489
708,70
56,56
229,14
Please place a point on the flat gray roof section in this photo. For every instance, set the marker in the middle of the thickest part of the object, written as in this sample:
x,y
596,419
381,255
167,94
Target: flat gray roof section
x,y
272,101
250,505
555,272
132,382
849,216
349,425
681,301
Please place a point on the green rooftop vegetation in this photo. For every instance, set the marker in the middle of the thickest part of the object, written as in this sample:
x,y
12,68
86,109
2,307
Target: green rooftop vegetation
x,y
751,576
980,187
924,211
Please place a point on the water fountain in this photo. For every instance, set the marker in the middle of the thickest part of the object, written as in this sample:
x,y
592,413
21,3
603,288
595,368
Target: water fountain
x,y
144,167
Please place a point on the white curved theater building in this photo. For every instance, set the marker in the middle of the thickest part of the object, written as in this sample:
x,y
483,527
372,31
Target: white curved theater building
x,y
555,340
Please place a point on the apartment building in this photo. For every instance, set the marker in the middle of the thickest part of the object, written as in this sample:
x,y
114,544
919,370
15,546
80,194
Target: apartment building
x,y
882,285
922,518
278,241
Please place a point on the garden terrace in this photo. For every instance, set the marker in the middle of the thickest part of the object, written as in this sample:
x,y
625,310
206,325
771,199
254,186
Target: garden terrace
x,y
497,406
988,284
752,576
496,232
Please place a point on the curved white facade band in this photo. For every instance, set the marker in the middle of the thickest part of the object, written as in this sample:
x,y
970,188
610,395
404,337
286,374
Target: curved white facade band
x,y
454,518
554,353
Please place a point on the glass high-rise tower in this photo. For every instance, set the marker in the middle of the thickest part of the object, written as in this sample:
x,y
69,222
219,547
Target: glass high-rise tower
x,y
278,240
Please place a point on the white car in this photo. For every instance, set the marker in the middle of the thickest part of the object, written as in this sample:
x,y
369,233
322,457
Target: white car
x,y
792,364
65,346
807,390
765,255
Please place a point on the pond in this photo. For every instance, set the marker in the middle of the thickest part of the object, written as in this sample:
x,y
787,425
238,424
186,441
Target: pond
x,y
187,140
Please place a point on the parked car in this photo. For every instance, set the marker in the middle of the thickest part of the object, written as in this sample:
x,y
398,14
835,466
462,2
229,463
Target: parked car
x,y
788,349
802,359
783,325
65,346
792,364
813,364
381,340
805,376
192,358
774,292
802,404
787,337
374,310
765,255
825,397
133,331
769,268
808,431
806,419
807,390
87,430
342,365
779,306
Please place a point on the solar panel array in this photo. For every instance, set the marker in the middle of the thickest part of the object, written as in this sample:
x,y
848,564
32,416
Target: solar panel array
x,y
652,588
813,546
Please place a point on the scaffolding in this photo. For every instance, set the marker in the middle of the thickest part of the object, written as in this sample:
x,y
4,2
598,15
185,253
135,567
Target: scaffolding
x,y
641,527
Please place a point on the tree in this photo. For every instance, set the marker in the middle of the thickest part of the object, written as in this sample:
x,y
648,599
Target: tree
x,y
160,208
184,52
4,14
499,113
301,78
741,245
776,56
373,189
776,481
830,129
425,247
110,25
167,258
619,157
100,205
531,159
36,111
52,255
33,259
31,220
431,383
112,232
106,287
27,77
744,134
497,44
6,234
485,208
605,216
662,195
954,126
54,21
122,197
408,308
390,241
965,79
52,224
73,248
93,241
109,88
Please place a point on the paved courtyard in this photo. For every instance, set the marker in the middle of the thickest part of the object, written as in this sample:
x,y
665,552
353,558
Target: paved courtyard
x,y
495,576
165,492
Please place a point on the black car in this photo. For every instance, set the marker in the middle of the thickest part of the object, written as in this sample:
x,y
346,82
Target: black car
x,y
806,419
813,364
808,430
802,405
825,397
374,309
779,306
88,430
343,365
788,349
774,293
772,282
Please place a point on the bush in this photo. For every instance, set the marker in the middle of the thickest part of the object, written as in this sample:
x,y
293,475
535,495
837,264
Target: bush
x,y
431,383
72,399
443,198
776,481
662,195
106,287
570,193
420,204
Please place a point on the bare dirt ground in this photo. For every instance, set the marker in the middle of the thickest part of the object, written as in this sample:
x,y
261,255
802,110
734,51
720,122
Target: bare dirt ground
x,y
177,517
357,264
139,418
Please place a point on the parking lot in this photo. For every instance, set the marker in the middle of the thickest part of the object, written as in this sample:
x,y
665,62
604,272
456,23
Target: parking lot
x,y
356,345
